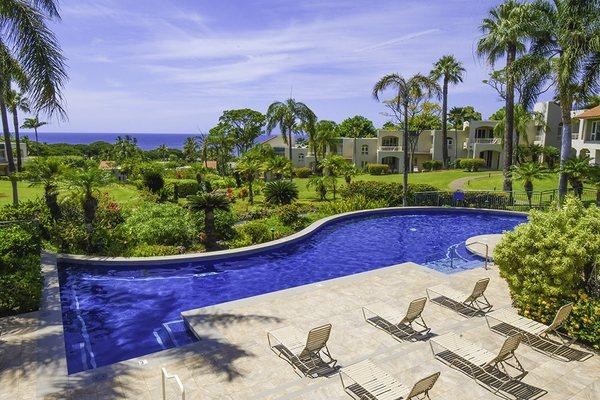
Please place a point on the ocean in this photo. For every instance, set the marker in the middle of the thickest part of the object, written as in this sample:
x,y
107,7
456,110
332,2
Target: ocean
x,y
146,141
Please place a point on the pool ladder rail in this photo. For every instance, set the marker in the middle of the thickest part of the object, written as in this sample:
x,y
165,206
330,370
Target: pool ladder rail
x,y
487,252
166,376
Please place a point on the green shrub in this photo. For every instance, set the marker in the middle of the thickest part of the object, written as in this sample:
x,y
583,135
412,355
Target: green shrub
x,y
153,250
20,273
471,164
152,176
432,165
161,224
353,203
185,187
291,215
302,172
550,261
389,194
255,232
224,223
378,169
280,192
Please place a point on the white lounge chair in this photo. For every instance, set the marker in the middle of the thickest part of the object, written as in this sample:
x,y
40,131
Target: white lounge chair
x,y
364,380
476,301
400,325
308,356
486,368
539,336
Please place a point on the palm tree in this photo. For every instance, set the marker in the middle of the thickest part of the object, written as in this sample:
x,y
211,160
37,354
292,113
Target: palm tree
x,y
505,33
408,92
85,182
527,173
209,203
249,168
278,166
320,183
576,170
551,155
325,138
332,166
28,45
570,38
290,116
46,172
16,102
450,70
33,123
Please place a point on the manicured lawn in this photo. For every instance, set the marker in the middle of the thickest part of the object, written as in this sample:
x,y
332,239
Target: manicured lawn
x,y
123,194
495,183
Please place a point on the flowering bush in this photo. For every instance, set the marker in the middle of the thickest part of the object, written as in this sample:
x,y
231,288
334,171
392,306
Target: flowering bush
x,y
553,260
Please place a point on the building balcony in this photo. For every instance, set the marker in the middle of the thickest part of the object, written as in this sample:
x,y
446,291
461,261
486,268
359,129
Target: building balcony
x,y
469,143
390,148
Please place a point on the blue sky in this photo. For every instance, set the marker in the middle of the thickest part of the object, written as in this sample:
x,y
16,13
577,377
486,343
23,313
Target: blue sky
x,y
174,65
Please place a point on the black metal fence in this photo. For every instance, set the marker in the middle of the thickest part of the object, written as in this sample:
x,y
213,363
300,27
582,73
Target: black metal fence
x,y
498,200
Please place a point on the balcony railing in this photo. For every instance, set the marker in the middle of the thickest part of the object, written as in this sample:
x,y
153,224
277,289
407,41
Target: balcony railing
x,y
487,140
390,148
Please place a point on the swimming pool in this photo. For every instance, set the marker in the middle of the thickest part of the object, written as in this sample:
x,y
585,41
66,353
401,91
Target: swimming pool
x,y
116,313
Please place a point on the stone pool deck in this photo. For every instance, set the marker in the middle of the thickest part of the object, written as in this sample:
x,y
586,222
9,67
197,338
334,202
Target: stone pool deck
x,y
232,360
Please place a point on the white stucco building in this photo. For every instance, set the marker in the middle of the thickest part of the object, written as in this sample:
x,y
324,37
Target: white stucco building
x,y
4,157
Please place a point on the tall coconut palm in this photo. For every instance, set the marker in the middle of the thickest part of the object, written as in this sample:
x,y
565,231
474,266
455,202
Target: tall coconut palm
x,y
570,37
27,41
16,102
407,93
209,203
528,173
290,115
33,123
451,71
506,31
46,173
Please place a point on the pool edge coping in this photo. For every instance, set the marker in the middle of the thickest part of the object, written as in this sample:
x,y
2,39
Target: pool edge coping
x,y
76,259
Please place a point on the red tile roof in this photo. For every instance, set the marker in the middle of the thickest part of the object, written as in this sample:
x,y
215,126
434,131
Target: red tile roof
x,y
591,113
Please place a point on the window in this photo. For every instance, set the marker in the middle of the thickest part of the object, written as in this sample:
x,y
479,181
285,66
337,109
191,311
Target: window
x,y
389,141
595,131
364,150
483,133
449,141
301,157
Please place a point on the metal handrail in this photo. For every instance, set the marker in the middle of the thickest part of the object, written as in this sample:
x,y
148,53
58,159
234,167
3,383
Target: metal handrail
x,y
165,376
487,252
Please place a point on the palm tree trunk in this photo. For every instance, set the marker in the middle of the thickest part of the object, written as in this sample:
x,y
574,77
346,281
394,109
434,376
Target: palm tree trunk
x,y
290,150
445,124
17,139
8,148
250,193
36,135
405,158
510,121
565,146
209,229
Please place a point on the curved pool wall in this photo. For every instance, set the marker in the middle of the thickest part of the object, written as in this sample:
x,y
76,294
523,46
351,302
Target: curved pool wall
x,y
117,309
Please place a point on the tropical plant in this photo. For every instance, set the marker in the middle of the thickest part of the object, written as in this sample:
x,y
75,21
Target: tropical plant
x,y
125,149
593,178
576,170
190,149
356,127
46,172
551,156
279,166
321,185
209,203
249,169
16,101
280,192
152,177
528,173
506,31
409,93
377,169
326,135
522,120
33,123
570,38
220,146
451,71
84,182
245,126
290,115
333,166
29,47
551,261
457,116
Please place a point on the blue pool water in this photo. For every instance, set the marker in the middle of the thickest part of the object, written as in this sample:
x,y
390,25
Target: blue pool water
x,y
112,314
